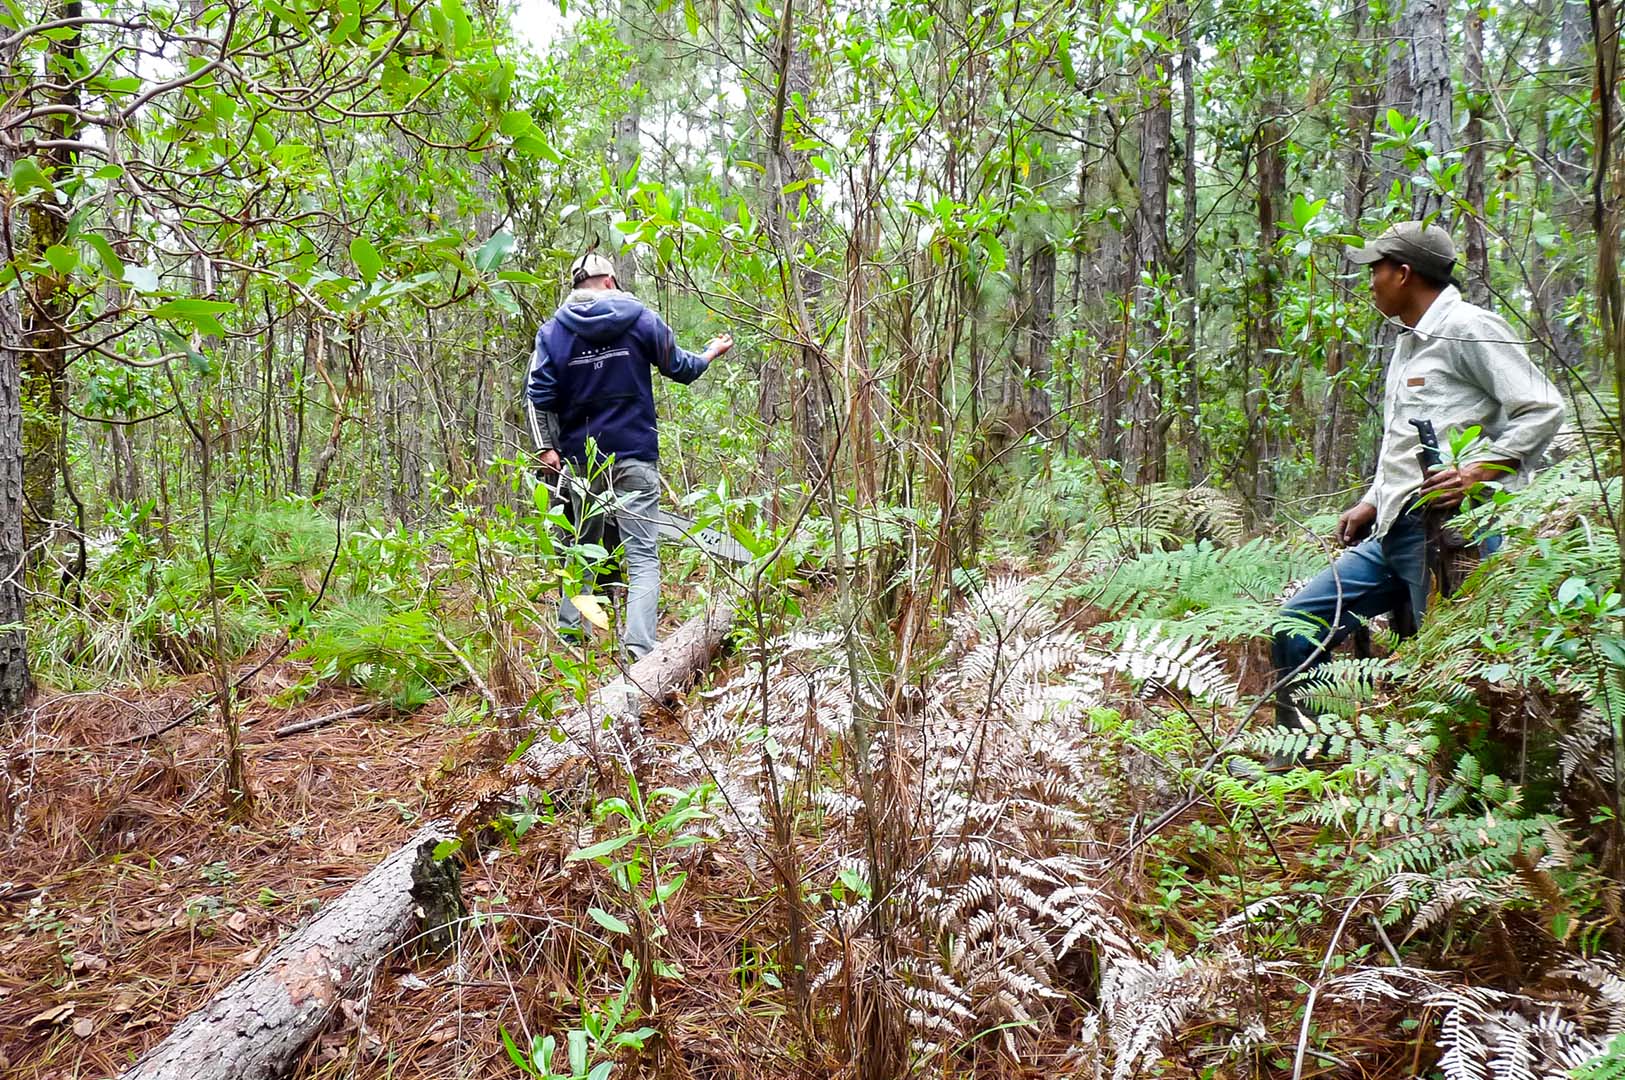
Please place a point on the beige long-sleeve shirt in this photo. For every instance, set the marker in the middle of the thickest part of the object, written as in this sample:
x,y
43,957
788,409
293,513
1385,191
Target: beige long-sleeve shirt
x,y
1461,366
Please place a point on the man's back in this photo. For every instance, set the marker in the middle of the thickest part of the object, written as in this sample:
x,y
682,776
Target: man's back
x,y
592,368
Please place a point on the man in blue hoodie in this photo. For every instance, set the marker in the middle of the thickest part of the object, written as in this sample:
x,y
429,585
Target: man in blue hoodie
x,y
592,411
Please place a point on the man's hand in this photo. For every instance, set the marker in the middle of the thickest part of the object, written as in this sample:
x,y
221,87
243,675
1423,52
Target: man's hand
x,y
717,347
1447,488
550,461
1355,523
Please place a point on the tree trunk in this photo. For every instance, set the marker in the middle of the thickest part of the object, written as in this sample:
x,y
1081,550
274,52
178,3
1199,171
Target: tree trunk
x,y
15,681
1333,436
1608,210
45,312
1478,251
1263,351
1569,205
1195,447
1428,62
1146,457
255,1027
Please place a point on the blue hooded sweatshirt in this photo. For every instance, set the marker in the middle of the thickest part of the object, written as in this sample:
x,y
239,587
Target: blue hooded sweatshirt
x,y
592,367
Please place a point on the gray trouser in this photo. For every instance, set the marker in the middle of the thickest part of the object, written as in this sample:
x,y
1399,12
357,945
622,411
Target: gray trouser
x,y
629,490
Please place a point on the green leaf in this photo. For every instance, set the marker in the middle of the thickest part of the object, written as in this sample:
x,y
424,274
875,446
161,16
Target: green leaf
x,y
515,123
26,175
854,880
366,259
602,848
575,1049
691,16
1304,211
200,313
62,259
111,264
535,146
667,889
515,1055
191,308
493,251
446,849
1573,589
608,921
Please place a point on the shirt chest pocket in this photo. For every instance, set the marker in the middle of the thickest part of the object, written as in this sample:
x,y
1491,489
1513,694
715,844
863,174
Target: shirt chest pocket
x,y
1428,387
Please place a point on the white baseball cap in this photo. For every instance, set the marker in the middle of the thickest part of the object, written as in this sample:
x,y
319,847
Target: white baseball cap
x,y
590,265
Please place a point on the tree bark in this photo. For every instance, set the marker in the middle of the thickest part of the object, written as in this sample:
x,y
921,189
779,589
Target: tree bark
x,y
1146,457
15,681
1478,250
256,1026
1263,346
45,311
1333,437
1428,64
1195,444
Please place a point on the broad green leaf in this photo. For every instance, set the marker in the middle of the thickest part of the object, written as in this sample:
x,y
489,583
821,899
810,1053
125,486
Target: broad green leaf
x,y
575,1050
62,259
201,314
608,921
536,146
493,251
515,123
366,259
26,175
190,308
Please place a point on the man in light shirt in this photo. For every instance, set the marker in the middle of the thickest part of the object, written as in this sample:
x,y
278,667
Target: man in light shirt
x,y
1459,366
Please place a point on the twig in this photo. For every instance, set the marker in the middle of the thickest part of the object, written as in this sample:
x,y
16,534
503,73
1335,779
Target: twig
x,y
322,721
1314,991
468,667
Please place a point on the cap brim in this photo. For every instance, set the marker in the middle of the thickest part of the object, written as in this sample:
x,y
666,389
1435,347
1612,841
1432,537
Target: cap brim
x,y
1363,256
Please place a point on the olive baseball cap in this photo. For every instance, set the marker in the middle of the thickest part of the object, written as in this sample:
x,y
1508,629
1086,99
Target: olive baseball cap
x,y
1428,248
590,265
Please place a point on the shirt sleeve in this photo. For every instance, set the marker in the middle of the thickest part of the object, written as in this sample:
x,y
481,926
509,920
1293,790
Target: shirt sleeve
x,y
1499,365
674,361
541,397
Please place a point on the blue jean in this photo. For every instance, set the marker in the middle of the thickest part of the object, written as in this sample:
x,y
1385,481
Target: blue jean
x,y
1369,579
629,490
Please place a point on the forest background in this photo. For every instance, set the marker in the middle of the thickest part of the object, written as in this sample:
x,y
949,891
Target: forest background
x,y
1055,289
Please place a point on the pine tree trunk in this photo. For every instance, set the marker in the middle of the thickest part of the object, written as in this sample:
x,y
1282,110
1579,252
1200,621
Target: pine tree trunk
x,y
1428,63
1477,248
15,681
1145,460
1333,436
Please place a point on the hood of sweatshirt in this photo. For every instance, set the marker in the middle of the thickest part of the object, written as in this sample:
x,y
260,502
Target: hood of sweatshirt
x,y
599,314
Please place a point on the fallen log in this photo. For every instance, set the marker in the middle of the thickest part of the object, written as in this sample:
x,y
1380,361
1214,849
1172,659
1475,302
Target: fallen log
x,y
255,1027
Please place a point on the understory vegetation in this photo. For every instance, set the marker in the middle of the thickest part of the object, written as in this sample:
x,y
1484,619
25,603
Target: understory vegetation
x,y
1023,852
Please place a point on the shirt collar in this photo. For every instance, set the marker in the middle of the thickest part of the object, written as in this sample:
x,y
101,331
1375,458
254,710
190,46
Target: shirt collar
x,y
1428,324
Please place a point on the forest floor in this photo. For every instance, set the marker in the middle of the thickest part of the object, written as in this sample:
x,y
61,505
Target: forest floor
x,y
130,899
